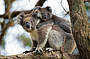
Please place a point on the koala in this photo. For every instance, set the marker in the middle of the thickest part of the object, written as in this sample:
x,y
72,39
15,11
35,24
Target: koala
x,y
47,34
46,14
29,23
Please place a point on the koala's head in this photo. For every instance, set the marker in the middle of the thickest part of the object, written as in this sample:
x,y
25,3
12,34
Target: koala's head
x,y
43,13
28,21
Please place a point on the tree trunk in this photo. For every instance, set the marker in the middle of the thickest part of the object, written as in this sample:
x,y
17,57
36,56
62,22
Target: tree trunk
x,y
80,29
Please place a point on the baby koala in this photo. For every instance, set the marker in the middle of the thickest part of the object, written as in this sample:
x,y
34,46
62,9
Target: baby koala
x,y
46,33
46,14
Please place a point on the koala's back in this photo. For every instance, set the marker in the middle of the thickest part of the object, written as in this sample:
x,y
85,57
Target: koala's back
x,y
64,24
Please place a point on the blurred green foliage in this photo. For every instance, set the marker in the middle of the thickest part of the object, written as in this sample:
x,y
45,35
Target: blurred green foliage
x,y
3,43
26,40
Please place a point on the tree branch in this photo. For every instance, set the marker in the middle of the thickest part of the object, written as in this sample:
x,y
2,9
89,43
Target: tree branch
x,y
40,3
6,15
15,13
45,55
4,30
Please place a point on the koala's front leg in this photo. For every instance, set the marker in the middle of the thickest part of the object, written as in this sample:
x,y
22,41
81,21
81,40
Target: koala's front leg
x,y
34,45
43,32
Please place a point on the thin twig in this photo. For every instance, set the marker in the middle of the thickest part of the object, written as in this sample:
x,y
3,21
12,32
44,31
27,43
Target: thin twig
x,y
67,12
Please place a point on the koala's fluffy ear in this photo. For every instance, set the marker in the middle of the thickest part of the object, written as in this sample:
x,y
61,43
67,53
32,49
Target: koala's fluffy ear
x,y
36,12
20,16
18,19
49,8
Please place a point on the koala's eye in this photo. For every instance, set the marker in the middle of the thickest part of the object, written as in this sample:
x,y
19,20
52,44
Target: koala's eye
x,y
48,14
27,22
36,12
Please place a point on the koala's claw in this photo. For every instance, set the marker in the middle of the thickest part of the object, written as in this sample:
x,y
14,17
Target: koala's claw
x,y
38,51
49,49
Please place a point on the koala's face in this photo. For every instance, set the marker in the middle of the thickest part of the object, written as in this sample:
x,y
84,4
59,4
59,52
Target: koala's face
x,y
43,13
29,22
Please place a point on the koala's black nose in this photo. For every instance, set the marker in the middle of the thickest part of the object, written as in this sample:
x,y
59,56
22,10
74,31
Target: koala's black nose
x,y
27,25
45,17
34,15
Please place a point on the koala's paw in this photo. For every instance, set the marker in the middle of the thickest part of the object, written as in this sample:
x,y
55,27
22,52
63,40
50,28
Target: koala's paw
x,y
62,49
38,50
49,49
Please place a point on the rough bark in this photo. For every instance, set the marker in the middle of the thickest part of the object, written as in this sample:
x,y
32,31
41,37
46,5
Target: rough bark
x,y
80,29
